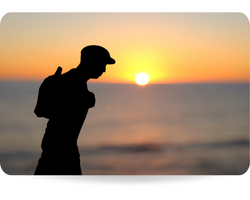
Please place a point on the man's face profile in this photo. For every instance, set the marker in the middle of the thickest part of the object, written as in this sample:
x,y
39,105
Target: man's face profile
x,y
97,69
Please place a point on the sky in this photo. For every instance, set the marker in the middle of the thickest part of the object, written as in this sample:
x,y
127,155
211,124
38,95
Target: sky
x,y
169,47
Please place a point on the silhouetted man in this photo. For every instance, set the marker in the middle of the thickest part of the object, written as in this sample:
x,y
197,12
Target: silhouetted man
x,y
60,154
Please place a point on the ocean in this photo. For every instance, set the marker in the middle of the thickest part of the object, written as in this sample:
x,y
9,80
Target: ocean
x,y
168,129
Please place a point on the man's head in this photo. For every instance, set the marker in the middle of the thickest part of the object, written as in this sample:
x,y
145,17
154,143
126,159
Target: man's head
x,y
94,60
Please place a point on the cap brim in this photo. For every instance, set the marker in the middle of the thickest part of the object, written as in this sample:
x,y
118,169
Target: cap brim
x,y
111,61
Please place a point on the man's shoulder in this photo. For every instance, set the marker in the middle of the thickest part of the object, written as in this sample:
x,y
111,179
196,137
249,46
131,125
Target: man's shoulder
x,y
71,79
69,75
71,72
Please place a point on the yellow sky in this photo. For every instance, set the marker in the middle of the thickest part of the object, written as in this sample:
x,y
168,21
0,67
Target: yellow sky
x,y
169,47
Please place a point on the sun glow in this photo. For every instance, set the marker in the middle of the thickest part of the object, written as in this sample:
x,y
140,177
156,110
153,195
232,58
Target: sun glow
x,y
141,79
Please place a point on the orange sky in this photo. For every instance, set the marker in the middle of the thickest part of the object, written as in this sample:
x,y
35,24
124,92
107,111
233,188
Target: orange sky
x,y
169,47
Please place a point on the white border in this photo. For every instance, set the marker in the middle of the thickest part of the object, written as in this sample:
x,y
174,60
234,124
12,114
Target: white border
x,y
124,187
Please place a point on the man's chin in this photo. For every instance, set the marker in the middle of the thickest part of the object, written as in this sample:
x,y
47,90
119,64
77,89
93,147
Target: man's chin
x,y
95,77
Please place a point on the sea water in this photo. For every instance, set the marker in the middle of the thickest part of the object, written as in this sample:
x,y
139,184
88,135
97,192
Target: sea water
x,y
152,129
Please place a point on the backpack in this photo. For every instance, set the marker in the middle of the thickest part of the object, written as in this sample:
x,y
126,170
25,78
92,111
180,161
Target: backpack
x,y
47,95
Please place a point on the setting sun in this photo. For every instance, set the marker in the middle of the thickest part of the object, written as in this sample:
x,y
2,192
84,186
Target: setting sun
x,y
141,79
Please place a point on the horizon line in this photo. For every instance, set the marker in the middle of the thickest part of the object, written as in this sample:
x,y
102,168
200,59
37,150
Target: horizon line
x,y
131,83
